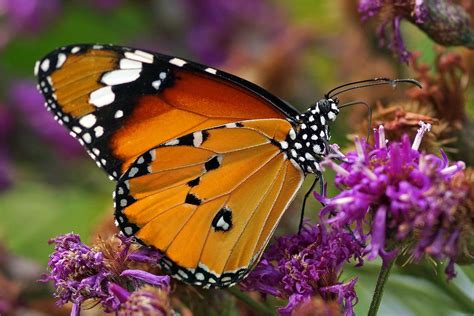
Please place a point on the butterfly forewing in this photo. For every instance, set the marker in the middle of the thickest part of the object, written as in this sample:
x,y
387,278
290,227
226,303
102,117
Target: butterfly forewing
x,y
200,155
212,213
119,101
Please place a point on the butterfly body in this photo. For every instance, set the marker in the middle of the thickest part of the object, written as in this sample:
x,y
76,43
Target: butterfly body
x,y
206,163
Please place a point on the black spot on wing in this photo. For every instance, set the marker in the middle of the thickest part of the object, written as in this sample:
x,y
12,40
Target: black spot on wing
x,y
192,199
212,163
223,220
194,182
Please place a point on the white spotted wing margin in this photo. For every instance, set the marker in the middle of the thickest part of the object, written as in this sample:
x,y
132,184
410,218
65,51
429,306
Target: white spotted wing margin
x,y
216,215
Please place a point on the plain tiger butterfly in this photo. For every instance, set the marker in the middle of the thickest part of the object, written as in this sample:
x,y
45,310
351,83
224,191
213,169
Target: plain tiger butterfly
x,y
205,163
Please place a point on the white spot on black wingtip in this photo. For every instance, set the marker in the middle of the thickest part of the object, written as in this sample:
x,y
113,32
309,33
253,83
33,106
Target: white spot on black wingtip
x,y
87,138
126,63
177,62
139,55
211,70
118,114
61,60
121,76
75,50
102,97
88,120
156,84
37,66
45,65
98,131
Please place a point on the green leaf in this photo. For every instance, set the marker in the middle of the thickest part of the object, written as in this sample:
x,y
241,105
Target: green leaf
x,y
34,212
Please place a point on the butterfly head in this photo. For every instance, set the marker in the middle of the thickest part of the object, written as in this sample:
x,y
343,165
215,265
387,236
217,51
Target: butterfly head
x,y
326,108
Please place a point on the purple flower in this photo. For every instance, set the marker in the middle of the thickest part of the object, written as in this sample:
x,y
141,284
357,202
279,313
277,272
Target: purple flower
x,y
5,166
397,10
216,26
403,195
147,300
81,273
156,280
307,265
28,100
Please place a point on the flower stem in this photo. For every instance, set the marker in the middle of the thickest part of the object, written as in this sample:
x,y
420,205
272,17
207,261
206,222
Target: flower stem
x,y
378,292
260,309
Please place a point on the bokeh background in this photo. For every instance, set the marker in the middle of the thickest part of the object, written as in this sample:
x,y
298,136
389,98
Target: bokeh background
x,y
295,49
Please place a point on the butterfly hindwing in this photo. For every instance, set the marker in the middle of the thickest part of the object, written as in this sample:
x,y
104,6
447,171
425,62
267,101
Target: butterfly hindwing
x,y
120,101
210,200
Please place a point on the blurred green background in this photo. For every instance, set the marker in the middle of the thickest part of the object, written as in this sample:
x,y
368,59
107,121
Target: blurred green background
x,y
297,50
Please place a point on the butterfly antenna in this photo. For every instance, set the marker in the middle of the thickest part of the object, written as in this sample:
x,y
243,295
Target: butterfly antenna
x,y
369,83
300,226
369,113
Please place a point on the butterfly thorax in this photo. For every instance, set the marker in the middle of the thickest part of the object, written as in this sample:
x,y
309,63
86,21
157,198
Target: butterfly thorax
x,y
307,142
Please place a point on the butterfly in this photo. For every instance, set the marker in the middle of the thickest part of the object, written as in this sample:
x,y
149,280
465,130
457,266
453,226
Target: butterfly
x,y
205,162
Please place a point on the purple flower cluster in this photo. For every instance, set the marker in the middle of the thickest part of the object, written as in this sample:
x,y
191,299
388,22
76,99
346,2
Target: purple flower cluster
x,y
307,265
406,197
80,273
398,10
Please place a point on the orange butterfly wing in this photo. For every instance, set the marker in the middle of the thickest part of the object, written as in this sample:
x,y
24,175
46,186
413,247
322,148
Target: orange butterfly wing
x,y
210,200
120,101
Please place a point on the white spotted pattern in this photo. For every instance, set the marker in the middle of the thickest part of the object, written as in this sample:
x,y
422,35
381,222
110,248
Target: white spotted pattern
x,y
61,60
197,139
118,114
133,171
177,62
45,65
156,84
102,97
126,63
87,138
121,76
37,65
140,56
88,120
99,131
211,70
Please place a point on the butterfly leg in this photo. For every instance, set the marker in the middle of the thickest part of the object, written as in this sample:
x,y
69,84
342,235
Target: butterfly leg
x,y
318,176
